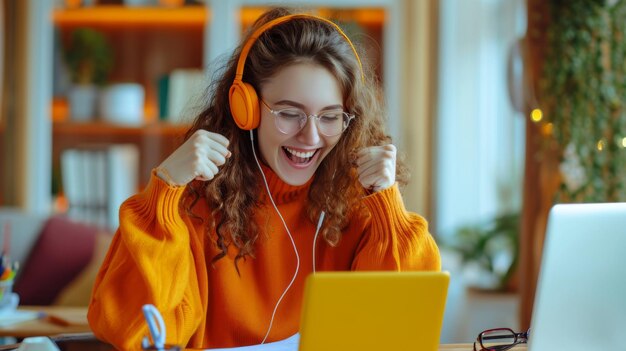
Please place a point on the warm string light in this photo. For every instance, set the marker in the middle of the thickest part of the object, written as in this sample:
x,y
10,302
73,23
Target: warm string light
x,y
546,129
536,115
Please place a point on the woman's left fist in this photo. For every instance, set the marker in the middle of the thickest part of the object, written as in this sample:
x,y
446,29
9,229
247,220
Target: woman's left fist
x,y
376,166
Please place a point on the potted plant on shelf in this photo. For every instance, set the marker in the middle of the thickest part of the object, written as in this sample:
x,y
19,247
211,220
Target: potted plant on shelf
x,y
89,59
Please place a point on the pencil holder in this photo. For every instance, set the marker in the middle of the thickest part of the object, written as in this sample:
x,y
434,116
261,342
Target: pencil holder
x,y
8,299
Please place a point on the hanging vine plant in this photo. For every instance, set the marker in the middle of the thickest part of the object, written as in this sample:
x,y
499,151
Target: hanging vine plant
x,y
583,92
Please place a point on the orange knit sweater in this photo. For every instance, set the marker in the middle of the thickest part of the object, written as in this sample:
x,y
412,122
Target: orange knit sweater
x,y
160,256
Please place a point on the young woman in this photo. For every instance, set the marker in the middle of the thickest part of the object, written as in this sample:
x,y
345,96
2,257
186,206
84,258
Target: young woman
x,y
286,172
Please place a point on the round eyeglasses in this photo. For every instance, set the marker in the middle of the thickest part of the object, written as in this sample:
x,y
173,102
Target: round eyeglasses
x,y
291,120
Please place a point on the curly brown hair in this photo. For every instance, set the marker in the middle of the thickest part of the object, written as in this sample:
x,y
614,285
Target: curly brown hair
x,y
235,192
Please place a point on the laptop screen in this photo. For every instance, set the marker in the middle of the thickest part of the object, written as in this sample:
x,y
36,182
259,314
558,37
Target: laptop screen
x,y
373,311
581,295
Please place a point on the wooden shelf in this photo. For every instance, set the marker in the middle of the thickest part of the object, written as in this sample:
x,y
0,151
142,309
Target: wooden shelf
x,y
123,16
113,16
99,128
364,16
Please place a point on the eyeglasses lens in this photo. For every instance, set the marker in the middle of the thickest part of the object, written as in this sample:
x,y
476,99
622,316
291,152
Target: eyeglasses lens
x,y
497,339
329,123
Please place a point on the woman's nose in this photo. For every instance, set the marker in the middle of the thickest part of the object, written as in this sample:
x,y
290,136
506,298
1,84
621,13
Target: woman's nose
x,y
309,134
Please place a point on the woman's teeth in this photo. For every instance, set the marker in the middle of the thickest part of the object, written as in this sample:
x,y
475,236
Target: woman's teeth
x,y
299,156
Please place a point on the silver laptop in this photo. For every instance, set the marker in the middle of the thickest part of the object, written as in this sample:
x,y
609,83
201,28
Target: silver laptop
x,y
580,302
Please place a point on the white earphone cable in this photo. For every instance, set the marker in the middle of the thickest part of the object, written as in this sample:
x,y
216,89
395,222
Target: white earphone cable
x,y
317,231
293,243
295,249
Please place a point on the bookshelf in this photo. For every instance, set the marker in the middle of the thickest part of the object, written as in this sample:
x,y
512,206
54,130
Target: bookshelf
x,y
148,42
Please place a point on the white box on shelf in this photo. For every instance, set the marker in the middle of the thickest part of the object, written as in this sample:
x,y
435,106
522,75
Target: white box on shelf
x,y
123,103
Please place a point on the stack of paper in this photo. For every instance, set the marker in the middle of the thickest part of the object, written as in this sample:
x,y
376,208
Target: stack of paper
x,y
15,316
289,344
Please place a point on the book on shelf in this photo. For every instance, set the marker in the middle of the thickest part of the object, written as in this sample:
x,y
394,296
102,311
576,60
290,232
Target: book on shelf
x,y
184,89
97,179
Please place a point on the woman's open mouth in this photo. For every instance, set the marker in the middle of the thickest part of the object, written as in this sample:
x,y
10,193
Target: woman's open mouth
x,y
300,158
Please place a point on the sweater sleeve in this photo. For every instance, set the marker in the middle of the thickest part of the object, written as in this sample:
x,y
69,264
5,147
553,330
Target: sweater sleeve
x,y
395,239
149,261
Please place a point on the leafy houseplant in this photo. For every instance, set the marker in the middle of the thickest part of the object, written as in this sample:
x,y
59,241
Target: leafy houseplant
x,y
583,97
89,59
491,250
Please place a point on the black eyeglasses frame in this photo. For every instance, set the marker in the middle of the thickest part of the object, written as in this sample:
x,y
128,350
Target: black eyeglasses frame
x,y
518,338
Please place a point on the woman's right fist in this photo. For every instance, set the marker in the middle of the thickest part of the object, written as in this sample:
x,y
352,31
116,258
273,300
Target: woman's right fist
x,y
198,158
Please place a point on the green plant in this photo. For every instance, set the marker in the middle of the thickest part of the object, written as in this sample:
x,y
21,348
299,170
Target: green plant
x,y
583,96
493,246
88,56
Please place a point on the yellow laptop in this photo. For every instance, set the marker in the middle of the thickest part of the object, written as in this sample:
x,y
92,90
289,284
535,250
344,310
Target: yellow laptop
x,y
373,311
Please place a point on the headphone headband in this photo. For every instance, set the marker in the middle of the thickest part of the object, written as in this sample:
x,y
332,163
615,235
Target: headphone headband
x,y
257,33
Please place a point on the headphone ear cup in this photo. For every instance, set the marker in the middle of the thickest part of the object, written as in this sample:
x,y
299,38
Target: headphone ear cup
x,y
244,105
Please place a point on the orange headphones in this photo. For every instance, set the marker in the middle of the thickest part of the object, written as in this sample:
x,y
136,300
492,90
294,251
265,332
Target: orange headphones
x,y
244,101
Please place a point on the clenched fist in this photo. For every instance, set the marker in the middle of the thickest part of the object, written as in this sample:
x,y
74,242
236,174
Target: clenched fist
x,y
198,158
376,166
